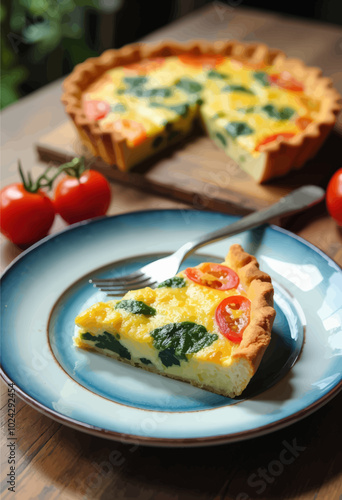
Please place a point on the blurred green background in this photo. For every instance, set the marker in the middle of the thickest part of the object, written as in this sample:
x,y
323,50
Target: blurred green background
x,y
42,40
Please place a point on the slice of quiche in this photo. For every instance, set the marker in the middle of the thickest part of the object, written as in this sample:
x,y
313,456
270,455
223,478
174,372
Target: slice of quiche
x,y
209,325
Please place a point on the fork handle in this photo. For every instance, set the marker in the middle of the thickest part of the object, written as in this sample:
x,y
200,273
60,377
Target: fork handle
x,y
303,197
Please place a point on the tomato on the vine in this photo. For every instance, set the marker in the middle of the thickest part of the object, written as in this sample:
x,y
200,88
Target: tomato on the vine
x,y
334,196
213,276
232,317
26,216
83,197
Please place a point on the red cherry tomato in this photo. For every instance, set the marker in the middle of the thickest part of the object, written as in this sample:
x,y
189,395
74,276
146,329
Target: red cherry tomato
x,y
144,67
201,60
334,196
96,110
232,317
133,131
286,81
25,217
274,137
213,276
83,198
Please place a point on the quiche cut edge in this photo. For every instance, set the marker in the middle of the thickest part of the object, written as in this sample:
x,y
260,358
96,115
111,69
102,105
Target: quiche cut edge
x,y
232,378
276,158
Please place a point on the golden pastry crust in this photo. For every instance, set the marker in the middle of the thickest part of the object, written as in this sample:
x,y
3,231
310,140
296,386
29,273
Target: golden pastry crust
x,y
282,155
259,290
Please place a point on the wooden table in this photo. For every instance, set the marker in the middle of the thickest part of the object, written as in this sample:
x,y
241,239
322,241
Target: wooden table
x,y
54,461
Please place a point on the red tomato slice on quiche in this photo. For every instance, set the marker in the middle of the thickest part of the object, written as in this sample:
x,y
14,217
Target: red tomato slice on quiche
x,y
96,110
286,81
302,122
133,131
213,276
274,137
232,317
201,60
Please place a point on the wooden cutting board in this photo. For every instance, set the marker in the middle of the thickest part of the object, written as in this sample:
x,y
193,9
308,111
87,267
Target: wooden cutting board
x,y
196,171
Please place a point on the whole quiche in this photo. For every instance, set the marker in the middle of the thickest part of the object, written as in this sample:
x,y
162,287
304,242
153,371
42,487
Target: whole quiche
x,y
268,112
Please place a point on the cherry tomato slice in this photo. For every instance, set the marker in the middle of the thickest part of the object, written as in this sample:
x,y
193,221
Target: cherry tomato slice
x,y
144,67
96,110
286,81
232,316
334,196
133,131
213,276
302,122
274,137
201,60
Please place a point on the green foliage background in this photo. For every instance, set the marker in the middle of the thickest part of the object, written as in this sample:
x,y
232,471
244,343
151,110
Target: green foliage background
x,y
43,39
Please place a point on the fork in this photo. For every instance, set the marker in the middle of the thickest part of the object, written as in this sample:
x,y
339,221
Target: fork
x,y
166,267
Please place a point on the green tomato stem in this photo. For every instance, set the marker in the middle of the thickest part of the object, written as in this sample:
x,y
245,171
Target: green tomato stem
x,y
74,168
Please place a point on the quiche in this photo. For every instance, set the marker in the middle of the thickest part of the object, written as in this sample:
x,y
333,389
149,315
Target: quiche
x,y
268,112
209,325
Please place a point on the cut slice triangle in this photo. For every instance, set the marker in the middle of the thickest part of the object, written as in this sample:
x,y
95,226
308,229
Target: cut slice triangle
x,y
209,325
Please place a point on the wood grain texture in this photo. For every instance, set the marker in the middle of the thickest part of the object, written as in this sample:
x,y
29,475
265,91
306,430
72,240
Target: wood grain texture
x,y
56,462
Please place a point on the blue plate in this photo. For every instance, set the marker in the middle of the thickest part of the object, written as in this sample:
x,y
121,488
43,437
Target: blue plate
x,y
47,286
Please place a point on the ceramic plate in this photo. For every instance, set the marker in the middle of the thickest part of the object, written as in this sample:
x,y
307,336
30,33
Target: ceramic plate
x,y
47,286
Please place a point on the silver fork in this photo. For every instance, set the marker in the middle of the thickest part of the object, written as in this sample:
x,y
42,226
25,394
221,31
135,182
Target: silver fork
x,y
166,267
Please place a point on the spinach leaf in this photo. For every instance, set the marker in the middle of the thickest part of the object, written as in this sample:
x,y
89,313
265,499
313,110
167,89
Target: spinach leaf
x,y
175,282
216,74
220,114
136,307
188,85
183,338
221,138
135,81
154,92
179,109
234,129
146,361
249,109
262,78
155,104
135,85
108,341
286,113
278,113
168,358
237,88
118,108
